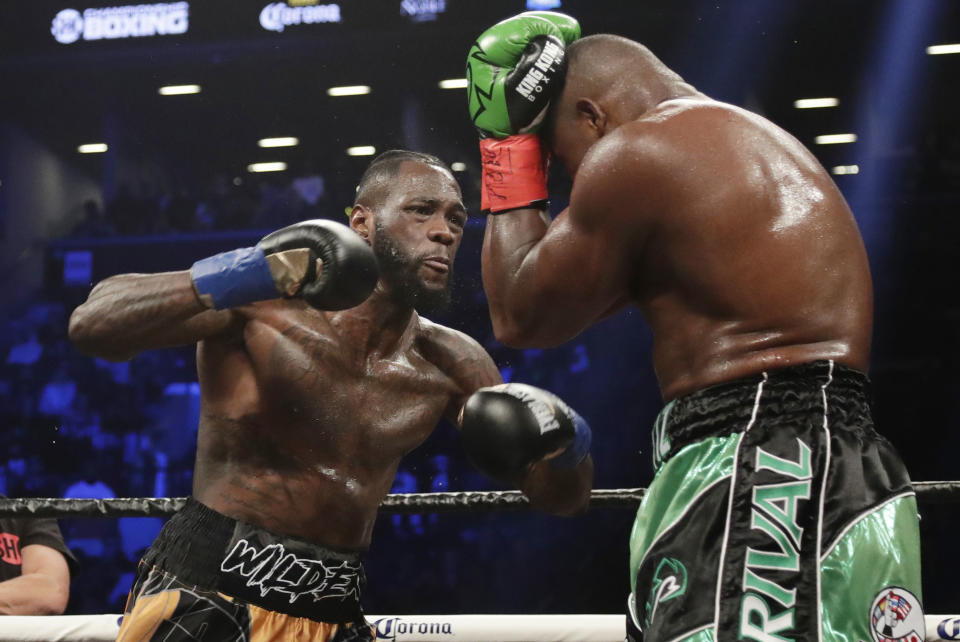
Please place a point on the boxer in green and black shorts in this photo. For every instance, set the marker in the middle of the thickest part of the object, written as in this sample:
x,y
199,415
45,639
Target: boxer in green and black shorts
x,y
776,513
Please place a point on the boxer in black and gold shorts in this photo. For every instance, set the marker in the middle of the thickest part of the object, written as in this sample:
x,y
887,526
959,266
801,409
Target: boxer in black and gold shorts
x,y
209,577
317,375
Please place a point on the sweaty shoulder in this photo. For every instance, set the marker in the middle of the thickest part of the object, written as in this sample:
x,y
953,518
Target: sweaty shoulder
x,y
641,166
445,347
459,357
441,336
685,155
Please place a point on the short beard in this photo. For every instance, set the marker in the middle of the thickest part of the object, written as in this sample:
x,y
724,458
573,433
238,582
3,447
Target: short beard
x,y
400,273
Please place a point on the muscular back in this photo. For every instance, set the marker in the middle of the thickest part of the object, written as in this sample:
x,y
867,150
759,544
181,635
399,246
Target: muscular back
x,y
748,257
301,433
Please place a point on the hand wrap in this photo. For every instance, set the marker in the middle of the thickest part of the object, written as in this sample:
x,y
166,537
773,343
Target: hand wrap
x,y
233,278
514,173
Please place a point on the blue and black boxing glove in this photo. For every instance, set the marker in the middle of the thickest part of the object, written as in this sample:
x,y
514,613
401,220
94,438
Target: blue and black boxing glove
x,y
507,428
322,262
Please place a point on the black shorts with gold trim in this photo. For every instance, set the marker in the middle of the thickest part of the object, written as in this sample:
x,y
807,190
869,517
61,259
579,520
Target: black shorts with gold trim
x,y
208,577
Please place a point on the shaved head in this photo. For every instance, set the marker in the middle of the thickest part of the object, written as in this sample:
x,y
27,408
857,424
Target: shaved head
x,y
605,65
610,80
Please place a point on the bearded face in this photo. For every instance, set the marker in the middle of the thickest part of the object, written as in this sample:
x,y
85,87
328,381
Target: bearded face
x,y
402,270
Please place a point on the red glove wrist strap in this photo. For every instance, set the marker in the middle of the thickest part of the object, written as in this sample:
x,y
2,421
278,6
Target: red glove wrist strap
x,y
514,172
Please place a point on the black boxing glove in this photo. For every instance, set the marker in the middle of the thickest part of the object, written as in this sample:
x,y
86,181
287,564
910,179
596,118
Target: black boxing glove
x,y
509,427
322,262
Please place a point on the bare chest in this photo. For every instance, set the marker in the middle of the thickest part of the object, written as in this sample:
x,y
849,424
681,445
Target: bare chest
x,y
316,386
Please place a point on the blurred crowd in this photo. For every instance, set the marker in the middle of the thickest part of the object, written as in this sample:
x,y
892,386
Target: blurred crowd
x,y
225,203
82,427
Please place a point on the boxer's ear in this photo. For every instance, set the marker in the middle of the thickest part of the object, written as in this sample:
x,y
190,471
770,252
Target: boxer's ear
x,y
592,115
361,221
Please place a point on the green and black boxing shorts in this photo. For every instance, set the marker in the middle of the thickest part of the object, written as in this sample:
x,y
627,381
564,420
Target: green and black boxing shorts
x,y
776,513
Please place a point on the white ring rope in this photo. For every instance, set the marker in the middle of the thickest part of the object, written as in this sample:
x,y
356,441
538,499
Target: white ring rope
x,y
406,628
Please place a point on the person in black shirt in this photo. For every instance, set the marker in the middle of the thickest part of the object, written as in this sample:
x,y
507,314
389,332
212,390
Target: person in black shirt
x,y
35,567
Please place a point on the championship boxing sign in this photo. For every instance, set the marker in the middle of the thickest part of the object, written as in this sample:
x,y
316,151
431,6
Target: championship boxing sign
x,y
132,21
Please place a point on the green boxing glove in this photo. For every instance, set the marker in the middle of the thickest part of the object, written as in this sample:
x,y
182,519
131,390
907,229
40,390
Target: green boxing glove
x,y
513,70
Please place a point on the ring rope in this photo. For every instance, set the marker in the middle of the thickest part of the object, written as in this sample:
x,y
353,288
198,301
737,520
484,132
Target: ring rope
x,y
928,492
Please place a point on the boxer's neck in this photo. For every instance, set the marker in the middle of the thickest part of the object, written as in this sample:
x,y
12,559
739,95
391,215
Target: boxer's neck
x,y
377,327
658,89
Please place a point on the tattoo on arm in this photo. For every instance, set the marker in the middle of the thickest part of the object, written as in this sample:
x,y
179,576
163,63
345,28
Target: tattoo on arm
x,y
476,370
129,313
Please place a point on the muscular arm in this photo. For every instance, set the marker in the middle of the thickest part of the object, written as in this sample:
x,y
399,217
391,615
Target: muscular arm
x,y
129,313
546,282
552,490
42,589
472,369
